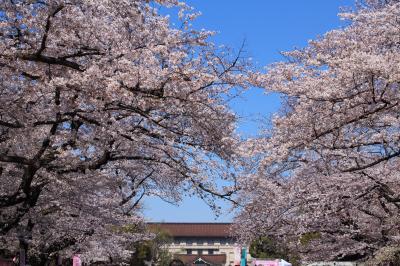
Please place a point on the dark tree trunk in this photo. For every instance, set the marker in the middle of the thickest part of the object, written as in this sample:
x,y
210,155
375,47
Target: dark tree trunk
x,y
23,248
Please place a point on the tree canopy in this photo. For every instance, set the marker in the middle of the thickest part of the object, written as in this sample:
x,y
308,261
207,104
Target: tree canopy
x,y
102,103
327,170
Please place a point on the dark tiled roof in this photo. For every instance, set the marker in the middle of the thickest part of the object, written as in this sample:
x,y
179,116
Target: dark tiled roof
x,y
193,229
212,259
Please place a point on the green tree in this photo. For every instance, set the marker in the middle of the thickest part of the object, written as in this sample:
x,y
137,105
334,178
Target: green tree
x,y
153,250
266,248
270,248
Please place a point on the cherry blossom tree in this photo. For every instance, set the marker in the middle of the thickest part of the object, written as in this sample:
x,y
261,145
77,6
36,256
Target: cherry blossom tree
x,y
325,176
102,103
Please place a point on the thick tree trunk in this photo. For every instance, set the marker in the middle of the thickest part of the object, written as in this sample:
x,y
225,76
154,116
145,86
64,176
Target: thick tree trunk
x,y
22,252
25,234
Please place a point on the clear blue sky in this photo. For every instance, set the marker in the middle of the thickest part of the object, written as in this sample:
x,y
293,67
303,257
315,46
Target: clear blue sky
x,y
268,26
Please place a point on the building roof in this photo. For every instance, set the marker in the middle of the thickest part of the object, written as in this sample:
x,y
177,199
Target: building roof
x,y
193,229
211,259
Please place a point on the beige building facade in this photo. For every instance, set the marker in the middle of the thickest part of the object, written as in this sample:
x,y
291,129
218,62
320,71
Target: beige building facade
x,y
195,244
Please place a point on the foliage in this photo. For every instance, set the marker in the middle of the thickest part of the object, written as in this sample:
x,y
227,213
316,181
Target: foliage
x,y
306,238
154,250
101,104
270,248
265,248
330,162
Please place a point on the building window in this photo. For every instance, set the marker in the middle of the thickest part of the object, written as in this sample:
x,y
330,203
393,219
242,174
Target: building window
x,y
210,251
189,252
200,252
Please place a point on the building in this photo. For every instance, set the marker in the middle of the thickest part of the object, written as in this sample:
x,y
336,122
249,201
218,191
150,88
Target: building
x,y
209,244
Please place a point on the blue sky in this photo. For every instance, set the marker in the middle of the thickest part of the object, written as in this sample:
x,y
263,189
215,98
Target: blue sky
x,y
268,27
